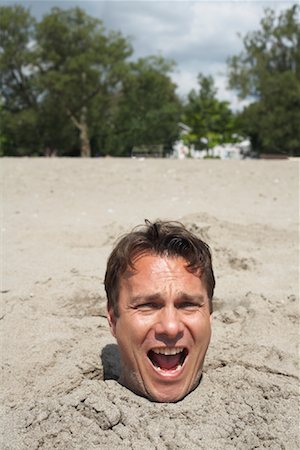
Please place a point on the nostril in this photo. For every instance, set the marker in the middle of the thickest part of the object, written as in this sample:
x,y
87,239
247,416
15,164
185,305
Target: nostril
x,y
170,328
167,337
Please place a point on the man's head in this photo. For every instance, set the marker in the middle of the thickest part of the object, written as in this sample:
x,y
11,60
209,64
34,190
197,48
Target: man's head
x,y
159,284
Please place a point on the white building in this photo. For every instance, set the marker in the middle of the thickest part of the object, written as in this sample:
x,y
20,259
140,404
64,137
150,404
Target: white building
x,y
238,150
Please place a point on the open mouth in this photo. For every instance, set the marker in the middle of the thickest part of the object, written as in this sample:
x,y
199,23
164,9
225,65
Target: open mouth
x,y
168,358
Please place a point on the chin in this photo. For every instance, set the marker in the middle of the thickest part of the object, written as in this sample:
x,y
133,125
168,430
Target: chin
x,y
166,398
171,395
165,392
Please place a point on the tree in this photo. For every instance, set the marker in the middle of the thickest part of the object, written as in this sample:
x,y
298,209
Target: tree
x,y
209,118
79,64
67,83
16,34
149,109
19,92
54,73
268,70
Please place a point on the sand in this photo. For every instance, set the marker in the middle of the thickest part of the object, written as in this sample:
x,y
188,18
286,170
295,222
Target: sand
x,y
59,361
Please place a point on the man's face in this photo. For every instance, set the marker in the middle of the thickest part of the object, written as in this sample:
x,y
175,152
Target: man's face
x,y
163,329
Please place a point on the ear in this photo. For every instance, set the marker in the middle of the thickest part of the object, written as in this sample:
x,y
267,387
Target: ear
x,y
112,321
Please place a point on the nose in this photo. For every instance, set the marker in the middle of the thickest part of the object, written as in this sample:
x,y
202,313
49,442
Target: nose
x,y
169,324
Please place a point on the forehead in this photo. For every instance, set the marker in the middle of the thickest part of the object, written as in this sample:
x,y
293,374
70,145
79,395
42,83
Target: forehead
x,y
153,267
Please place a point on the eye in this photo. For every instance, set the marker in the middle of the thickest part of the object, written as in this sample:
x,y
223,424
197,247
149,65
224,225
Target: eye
x,y
189,306
148,306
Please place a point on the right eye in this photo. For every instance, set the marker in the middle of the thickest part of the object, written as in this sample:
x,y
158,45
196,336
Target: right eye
x,y
148,306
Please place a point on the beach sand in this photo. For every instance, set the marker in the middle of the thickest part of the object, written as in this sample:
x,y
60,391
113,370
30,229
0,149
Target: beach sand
x,y
61,218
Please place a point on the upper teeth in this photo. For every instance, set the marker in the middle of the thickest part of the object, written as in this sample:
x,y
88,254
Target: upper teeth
x,y
168,351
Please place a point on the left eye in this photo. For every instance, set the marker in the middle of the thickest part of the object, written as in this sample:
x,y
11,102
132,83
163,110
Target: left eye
x,y
188,305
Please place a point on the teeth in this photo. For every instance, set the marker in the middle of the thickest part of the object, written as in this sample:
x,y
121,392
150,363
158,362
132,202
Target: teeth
x,y
169,371
168,350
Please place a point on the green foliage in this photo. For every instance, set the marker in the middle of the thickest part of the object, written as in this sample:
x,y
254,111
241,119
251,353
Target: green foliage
x,y
67,85
148,108
207,116
80,64
269,70
16,58
211,157
18,82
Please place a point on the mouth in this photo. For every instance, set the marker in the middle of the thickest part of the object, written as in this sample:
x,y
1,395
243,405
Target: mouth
x,y
167,359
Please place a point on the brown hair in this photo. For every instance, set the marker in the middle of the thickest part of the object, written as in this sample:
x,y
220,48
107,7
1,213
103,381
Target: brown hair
x,y
160,238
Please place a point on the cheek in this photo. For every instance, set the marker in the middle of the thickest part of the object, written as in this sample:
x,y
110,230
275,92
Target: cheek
x,y
132,329
200,326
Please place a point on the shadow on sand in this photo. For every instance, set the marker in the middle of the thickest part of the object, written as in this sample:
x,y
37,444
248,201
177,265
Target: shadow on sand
x,y
110,357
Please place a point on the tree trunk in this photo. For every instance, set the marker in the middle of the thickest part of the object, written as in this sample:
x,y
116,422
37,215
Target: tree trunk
x,y
84,135
85,148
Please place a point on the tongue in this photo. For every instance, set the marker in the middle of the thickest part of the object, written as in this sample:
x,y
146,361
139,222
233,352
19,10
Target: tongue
x,y
166,362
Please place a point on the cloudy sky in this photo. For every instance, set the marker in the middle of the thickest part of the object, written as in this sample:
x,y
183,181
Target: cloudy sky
x,y
198,35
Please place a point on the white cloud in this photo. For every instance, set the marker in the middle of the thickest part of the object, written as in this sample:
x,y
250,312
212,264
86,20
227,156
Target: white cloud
x,y
198,35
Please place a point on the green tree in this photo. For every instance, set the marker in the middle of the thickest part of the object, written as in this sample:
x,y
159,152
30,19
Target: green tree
x,y
268,70
53,74
80,65
148,108
208,117
19,92
16,58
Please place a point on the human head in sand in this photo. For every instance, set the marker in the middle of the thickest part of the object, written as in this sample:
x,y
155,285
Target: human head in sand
x,y
159,284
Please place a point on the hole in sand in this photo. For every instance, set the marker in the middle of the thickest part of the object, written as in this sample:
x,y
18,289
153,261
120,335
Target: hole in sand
x,y
110,357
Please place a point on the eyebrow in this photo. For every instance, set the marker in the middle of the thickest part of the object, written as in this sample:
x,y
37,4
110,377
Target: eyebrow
x,y
191,298
148,298
181,296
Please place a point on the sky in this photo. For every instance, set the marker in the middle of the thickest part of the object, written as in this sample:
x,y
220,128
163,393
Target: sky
x,y
198,35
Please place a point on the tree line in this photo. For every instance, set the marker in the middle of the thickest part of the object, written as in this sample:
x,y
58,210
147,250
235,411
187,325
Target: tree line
x,y
70,87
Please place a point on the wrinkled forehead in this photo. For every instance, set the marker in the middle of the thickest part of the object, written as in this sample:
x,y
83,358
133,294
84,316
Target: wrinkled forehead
x,y
143,262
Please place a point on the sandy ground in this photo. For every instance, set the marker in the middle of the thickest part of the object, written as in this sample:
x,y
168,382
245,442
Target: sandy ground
x,y
59,362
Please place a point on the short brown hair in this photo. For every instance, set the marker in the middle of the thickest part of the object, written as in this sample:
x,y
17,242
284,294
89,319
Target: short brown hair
x,y
159,238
